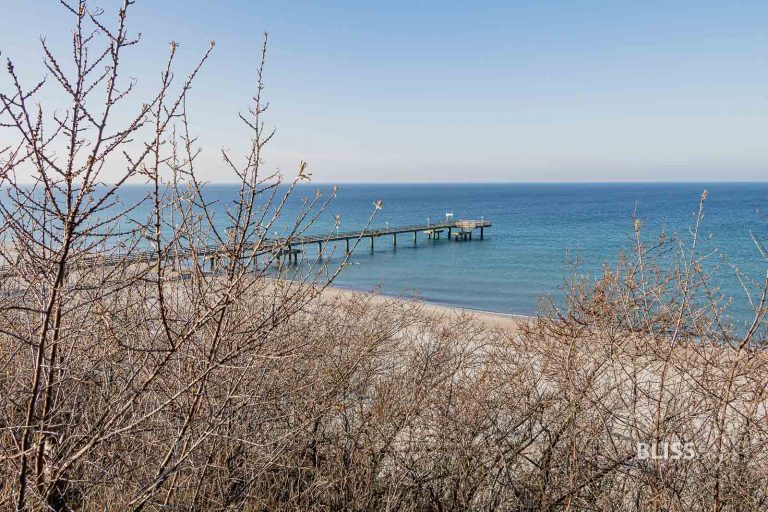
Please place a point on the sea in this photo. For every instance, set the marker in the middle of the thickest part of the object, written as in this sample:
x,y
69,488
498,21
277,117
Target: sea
x,y
542,235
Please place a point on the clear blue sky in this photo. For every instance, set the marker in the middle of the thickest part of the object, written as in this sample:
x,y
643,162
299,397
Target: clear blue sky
x,y
465,91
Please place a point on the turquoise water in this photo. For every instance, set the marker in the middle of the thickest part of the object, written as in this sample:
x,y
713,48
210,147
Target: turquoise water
x,y
537,229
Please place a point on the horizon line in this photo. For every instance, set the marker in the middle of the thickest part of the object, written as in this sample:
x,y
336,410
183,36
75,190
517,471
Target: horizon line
x,y
511,182
552,182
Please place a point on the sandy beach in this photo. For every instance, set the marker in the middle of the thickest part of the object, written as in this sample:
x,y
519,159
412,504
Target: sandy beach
x,y
490,319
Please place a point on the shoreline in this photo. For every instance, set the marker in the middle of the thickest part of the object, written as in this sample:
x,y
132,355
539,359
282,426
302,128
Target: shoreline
x,y
490,318
431,303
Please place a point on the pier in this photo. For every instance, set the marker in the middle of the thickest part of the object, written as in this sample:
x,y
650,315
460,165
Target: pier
x,y
457,230
290,248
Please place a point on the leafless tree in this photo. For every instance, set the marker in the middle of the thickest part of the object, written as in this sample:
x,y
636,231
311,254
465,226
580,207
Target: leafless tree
x,y
110,321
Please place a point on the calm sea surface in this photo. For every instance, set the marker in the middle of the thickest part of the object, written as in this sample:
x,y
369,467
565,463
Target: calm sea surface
x,y
537,229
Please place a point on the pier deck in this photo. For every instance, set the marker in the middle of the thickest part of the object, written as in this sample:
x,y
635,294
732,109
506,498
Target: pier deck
x,y
291,247
459,229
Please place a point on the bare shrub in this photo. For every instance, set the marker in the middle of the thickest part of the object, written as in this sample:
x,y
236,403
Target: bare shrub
x,y
164,361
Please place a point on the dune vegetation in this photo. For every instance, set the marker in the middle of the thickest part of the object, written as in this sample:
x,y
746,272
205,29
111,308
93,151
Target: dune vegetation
x,y
134,376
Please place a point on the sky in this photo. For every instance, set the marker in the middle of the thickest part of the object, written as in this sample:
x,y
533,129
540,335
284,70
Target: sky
x,y
457,91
